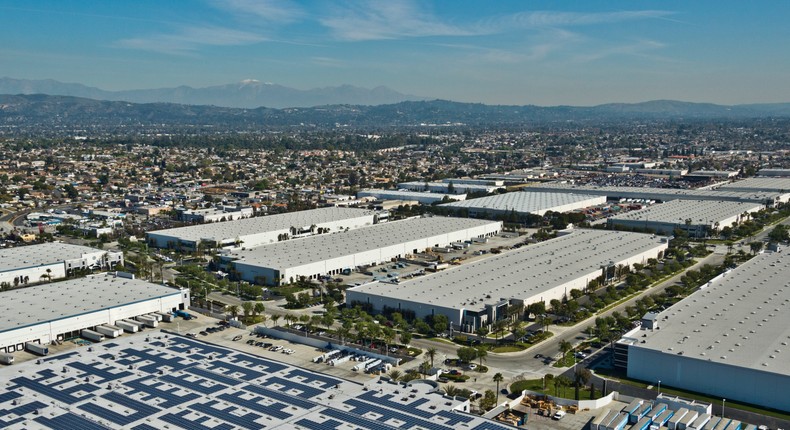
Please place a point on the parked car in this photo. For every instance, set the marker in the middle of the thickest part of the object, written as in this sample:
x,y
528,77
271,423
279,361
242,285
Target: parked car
x,y
237,338
558,415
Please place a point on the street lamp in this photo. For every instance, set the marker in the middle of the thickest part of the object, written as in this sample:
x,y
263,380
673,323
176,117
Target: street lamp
x,y
722,407
659,387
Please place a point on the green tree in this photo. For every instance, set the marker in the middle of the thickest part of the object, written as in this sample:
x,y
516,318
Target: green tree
x,y
565,346
497,379
466,354
482,354
247,307
431,354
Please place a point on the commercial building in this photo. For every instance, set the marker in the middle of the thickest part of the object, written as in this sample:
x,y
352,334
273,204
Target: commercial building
x,y
332,254
697,218
218,214
50,261
728,340
479,293
58,311
472,181
662,194
759,185
262,230
524,202
422,197
175,382
448,187
713,174
783,173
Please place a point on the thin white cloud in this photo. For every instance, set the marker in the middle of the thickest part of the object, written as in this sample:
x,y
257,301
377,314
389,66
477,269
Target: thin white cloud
x,y
543,19
190,39
271,11
387,19
640,48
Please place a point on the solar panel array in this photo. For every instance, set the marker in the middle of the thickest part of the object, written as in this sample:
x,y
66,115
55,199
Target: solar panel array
x,y
176,382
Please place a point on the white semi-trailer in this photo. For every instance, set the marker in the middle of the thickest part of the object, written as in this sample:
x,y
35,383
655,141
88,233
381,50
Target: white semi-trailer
x,y
109,330
36,348
127,326
92,335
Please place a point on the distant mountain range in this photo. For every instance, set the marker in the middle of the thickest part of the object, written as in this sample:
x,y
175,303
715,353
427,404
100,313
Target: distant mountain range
x,y
57,114
249,93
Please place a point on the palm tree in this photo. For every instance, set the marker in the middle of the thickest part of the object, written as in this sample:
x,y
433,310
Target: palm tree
x,y
395,375
498,378
233,310
247,308
451,390
259,308
263,319
431,354
275,318
565,346
482,354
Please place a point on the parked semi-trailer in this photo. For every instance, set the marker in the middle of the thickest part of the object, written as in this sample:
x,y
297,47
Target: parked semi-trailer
x,y
109,330
92,335
36,348
148,321
140,325
127,326
165,317
6,359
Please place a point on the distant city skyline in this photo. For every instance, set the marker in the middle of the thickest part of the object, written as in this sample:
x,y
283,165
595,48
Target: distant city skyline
x,y
503,52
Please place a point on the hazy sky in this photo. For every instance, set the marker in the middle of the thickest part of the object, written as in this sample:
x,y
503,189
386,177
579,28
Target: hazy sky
x,y
508,52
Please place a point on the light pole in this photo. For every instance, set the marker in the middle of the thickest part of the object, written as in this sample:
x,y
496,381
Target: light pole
x,y
659,387
722,407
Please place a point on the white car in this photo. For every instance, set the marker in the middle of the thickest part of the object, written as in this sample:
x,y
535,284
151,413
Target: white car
x,y
472,366
558,415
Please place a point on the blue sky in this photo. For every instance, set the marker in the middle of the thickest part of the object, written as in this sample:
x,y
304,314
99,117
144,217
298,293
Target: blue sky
x,y
503,52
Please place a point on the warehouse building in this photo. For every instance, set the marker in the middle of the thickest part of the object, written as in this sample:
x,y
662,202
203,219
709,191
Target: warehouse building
x,y
472,181
49,261
697,218
262,230
663,194
782,173
448,187
58,311
479,293
523,203
422,197
174,382
759,185
333,254
728,340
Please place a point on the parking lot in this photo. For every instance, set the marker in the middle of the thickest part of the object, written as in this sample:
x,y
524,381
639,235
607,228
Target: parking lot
x,y
403,270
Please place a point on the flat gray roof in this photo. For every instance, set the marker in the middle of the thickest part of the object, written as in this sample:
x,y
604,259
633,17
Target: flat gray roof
x,y
524,202
523,273
244,227
465,187
741,319
41,254
654,193
406,194
26,306
705,212
171,381
322,247
766,185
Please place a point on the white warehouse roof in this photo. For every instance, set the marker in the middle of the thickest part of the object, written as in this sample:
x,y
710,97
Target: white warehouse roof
x,y
526,273
705,212
664,194
322,247
765,185
230,230
22,307
740,319
529,202
41,254
408,195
